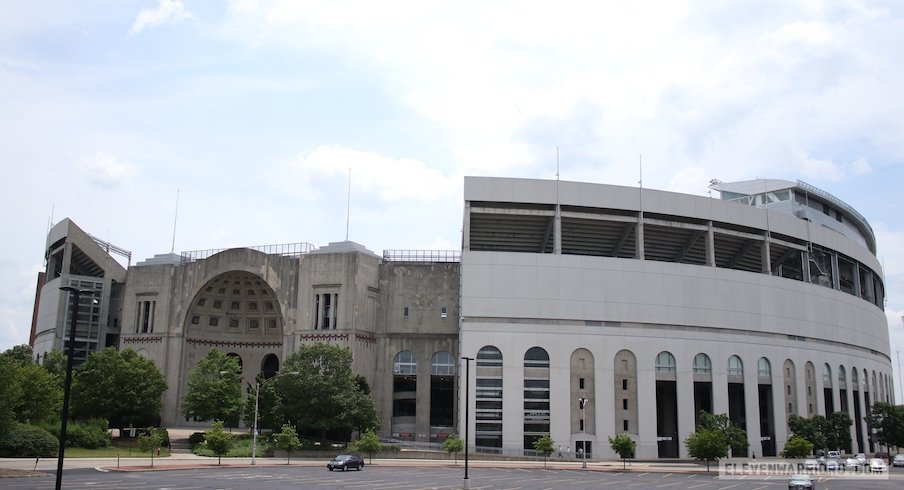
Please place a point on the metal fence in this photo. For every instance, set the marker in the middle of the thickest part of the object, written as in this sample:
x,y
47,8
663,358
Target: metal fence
x,y
285,249
428,256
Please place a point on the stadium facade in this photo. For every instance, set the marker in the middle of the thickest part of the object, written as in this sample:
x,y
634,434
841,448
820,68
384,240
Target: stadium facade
x,y
588,310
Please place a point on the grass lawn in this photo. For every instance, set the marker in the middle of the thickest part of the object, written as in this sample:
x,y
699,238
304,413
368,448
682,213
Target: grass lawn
x,y
122,449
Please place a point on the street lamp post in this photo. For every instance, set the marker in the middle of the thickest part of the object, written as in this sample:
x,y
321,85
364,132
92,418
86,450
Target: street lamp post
x,y
583,401
257,396
467,482
67,388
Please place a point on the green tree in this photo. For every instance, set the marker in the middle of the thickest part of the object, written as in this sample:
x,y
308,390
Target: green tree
x,y
55,363
839,431
324,396
10,392
624,446
214,389
888,422
707,445
812,430
19,354
122,387
41,396
797,447
287,440
369,443
545,446
454,445
218,440
150,440
734,435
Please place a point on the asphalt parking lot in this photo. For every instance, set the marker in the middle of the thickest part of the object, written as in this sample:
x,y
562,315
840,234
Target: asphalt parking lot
x,y
376,477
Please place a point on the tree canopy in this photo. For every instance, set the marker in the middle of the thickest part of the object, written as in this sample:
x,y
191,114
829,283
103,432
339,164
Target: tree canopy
x,y
832,432
888,422
325,395
797,447
734,435
707,445
623,445
28,392
122,387
214,389
454,445
545,446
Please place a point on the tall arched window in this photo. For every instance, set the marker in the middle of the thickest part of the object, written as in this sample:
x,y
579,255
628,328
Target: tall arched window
x,y
702,364
536,396
763,367
827,376
404,395
488,413
665,362
842,377
735,366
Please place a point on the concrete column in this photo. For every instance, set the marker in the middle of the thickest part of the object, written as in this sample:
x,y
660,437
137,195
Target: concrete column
x,y
685,394
752,409
720,387
422,419
557,230
779,410
638,243
710,246
512,402
767,254
647,446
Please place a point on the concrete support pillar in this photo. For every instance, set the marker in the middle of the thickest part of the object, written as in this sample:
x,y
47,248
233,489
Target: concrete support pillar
x,y
685,388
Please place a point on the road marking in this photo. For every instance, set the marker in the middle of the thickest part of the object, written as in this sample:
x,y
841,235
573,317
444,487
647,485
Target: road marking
x,y
698,486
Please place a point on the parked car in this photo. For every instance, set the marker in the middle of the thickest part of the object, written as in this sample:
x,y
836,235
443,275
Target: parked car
x,y
831,465
346,461
800,481
898,461
811,464
853,464
881,455
833,455
861,457
877,465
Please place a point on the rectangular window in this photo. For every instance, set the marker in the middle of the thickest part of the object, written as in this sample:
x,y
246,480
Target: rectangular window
x,y
624,403
581,425
316,309
327,303
625,425
581,383
442,312
405,312
145,322
624,384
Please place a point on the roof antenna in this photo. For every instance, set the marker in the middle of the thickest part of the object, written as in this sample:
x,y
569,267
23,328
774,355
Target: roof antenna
x,y
348,204
175,218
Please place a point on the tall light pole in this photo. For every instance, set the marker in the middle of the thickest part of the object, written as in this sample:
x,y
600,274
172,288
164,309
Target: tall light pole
x,y
76,294
583,401
257,396
467,482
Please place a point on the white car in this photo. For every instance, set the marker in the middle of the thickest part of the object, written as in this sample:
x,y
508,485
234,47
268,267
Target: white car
x,y
811,464
877,465
800,481
833,455
898,461
861,457
853,464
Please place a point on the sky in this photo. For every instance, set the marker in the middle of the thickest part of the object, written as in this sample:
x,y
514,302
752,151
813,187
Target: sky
x,y
164,125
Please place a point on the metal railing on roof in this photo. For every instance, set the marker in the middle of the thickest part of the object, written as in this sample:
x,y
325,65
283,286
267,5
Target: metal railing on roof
x,y
110,248
285,249
426,256
834,200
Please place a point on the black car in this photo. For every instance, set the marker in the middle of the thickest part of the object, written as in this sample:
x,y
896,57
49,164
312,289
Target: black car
x,y
345,461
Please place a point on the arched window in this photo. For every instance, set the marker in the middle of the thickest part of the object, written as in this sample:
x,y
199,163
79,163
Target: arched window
x,y
842,377
827,375
735,366
854,380
702,364
404,363
536,357
665,362
763,367
443,363
489,356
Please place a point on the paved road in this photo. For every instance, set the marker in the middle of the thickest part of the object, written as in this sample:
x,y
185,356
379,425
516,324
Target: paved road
x,y
408,478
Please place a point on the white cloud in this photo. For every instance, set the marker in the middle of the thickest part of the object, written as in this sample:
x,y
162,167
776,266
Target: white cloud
x,y
106,170
167,11
387,179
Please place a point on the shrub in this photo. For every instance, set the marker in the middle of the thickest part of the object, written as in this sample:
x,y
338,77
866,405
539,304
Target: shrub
x,y
88,436
28,441
195,439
